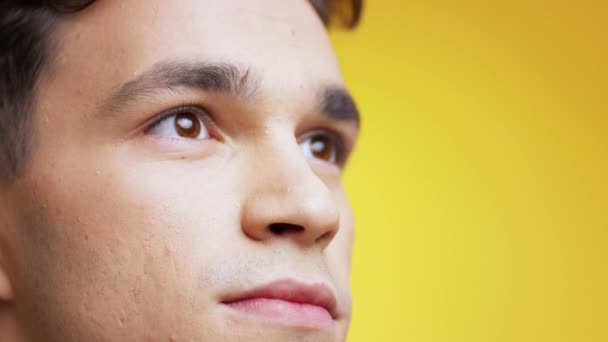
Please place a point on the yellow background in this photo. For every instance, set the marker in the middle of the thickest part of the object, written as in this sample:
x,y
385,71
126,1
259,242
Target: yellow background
x,y
480,183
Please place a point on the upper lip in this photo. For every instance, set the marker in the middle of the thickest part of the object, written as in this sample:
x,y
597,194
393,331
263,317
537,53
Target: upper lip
x,y
289,290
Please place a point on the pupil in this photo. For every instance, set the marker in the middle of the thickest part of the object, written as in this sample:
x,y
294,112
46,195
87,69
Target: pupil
x,y
187,125
319,146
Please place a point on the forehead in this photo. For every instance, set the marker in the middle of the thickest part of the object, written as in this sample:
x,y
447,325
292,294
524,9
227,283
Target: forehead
x,y
115,40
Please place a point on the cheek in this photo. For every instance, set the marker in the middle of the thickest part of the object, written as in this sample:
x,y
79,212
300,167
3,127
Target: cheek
x,y
346,235
339,251
106,234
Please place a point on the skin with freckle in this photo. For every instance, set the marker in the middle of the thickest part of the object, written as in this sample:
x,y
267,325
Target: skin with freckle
x,y
132,225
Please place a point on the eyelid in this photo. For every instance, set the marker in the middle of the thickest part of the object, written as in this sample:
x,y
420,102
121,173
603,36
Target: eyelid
x,y
202,113
335,137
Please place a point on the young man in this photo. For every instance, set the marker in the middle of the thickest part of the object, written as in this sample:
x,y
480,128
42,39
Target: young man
x,y
170,171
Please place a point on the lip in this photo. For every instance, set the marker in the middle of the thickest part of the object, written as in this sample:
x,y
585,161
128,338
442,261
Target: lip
x,y
289,302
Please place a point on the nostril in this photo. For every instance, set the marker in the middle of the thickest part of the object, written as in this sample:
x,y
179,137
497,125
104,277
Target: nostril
x,y
282,228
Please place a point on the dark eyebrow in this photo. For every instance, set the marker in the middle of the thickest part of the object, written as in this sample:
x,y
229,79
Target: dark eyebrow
x,y
217,78
338,104
335,101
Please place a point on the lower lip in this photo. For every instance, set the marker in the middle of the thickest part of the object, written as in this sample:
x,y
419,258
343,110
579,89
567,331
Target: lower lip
x,y
285,312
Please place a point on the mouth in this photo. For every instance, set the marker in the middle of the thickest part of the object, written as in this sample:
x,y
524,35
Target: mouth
x,y
288,302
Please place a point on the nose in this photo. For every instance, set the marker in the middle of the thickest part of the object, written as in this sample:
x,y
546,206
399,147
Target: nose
x,y
287,200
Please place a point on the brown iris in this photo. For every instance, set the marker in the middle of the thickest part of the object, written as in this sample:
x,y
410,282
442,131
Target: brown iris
x,y
188,125
322,148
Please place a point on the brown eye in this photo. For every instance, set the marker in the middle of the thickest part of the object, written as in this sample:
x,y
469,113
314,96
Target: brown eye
x,y
185,123
320,145
321,148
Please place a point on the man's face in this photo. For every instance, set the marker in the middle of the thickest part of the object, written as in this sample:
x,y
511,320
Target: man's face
x,y
185,180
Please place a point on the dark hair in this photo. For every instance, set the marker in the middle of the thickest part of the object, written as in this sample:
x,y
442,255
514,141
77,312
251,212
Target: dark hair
x,y
25,48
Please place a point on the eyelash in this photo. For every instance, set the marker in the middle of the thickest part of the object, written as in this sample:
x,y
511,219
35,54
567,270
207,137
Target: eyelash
x,y
336,137
337,140
186,108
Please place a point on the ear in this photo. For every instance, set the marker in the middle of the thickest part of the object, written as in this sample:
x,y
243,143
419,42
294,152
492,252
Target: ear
x,y
6,288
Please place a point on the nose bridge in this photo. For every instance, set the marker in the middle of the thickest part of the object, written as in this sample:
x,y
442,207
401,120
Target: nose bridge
x,y
286,199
